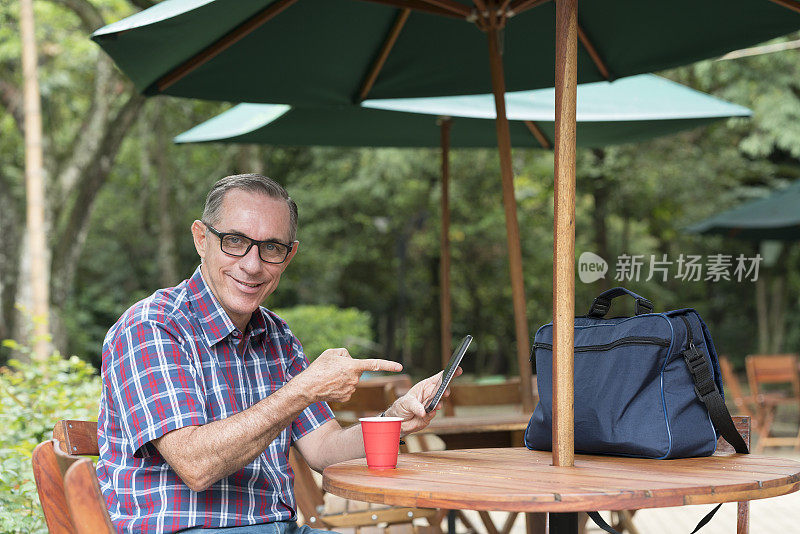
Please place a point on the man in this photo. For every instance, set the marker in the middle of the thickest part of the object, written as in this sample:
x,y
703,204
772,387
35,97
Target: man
x,y
204,390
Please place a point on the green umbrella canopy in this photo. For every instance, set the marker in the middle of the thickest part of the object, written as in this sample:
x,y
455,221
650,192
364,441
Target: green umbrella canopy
x,y
335,52
776,217
320,52
627,110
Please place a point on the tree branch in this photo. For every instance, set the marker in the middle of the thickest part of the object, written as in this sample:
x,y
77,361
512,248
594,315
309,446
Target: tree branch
x,y
90,16
70,234
143,4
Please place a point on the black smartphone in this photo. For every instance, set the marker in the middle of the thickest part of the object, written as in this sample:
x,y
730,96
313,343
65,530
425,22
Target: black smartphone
x,y
449,371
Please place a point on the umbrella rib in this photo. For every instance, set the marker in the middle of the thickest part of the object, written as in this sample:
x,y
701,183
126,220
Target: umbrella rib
x,y
523,5
794,5
230,38
391,39
451,5
418,5
538,134
598,61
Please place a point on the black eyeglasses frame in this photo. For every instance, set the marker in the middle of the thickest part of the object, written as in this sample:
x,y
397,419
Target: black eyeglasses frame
x,y
253,242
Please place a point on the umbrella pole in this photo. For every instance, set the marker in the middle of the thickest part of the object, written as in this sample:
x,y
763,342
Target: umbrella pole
x,y
444,264
512,225
564,234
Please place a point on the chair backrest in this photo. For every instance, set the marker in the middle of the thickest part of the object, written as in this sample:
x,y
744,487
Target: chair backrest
x,y
50,486
731,383
507,392
476,394
87,506
772,369
77,437
67,484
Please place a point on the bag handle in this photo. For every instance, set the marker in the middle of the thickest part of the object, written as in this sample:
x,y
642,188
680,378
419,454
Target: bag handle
x,y
602,303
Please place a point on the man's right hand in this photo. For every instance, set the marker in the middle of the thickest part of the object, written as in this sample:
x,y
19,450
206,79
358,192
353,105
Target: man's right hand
x,y
333,376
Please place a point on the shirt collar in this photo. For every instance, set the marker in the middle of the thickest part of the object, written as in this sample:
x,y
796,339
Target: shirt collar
x,y
213,319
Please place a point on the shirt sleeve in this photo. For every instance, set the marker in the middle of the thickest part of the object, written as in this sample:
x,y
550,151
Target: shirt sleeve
x,y
316,414
154,385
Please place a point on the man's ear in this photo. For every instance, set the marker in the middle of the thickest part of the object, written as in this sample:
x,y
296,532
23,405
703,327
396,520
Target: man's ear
x,y
199,238
291,254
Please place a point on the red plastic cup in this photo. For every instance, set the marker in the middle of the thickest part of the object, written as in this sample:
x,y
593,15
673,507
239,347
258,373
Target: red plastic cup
x,y
381,441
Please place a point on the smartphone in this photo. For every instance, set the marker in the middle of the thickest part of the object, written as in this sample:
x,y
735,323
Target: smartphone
x,y
449,371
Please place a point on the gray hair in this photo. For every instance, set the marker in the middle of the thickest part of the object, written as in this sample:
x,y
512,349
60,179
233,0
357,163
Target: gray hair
x,y
253,183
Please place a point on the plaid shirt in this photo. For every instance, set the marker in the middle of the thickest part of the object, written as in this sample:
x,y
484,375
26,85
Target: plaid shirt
x,y
170,361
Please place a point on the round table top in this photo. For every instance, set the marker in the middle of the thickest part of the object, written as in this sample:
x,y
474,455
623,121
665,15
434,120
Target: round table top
x,y
521,480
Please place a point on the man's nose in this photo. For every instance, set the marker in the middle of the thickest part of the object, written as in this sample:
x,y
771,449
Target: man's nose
x,y
251,261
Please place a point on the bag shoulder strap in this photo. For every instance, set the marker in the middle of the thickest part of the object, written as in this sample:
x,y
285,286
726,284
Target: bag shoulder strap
x,y
600,522
707,391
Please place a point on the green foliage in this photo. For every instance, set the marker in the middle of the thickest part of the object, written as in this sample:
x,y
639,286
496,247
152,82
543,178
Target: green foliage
x,y
324,327
370,219
35,396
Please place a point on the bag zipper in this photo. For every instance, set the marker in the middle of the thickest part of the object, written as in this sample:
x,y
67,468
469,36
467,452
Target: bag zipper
x,y
633,340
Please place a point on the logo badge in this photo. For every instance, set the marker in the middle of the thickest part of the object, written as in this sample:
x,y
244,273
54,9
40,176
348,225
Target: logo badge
x,y
591,267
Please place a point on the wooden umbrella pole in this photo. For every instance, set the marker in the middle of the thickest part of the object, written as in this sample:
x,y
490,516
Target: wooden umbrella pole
x,y
512,226
564,234
444,264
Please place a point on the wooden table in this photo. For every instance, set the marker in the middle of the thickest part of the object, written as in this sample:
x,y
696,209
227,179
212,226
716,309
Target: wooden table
x,y
502,429
520,480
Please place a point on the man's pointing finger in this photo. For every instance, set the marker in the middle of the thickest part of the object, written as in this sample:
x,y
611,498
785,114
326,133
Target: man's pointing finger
x,y
374,364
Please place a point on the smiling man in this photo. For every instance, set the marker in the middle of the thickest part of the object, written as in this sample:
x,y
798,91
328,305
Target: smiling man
x,y
204,390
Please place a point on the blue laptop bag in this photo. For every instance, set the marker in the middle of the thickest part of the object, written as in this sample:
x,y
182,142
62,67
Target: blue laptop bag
x,y
645,386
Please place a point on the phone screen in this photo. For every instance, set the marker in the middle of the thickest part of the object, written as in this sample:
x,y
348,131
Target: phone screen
x,y
449,371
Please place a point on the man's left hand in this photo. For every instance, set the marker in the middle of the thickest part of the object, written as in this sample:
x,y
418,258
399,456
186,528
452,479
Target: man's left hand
x,y
411,406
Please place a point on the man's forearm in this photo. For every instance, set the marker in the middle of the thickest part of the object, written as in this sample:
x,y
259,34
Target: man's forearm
x,y
335,445
202,455
332,444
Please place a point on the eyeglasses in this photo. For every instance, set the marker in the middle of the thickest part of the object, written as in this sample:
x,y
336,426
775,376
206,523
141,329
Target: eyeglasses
x,y
239,245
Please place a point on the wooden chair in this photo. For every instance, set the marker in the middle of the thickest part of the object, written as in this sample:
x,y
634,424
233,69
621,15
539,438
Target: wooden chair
x,y
779,373
507,393
66,482
72,502
622,520
50,486
742,403
352,516
478,394
371,397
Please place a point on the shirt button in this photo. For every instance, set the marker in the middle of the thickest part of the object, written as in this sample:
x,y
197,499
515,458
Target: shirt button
x,y
237,334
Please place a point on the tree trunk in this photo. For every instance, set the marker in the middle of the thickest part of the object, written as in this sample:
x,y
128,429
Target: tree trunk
x,y
35,241
777,313
600,194
10,217
167,248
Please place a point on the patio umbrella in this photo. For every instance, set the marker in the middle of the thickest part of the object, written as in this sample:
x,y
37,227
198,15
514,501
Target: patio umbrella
x,y
627,110
330,52
775,217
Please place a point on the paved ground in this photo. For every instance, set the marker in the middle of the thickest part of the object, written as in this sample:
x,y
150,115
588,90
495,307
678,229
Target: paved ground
x,y
779,515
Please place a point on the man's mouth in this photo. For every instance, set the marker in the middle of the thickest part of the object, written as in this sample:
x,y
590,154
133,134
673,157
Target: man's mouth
x,y
247,284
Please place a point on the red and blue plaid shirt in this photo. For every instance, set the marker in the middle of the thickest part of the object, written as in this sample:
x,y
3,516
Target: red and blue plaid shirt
x,y
169,362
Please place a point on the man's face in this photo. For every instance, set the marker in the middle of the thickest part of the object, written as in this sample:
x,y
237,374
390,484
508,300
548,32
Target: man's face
x,y
241,284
